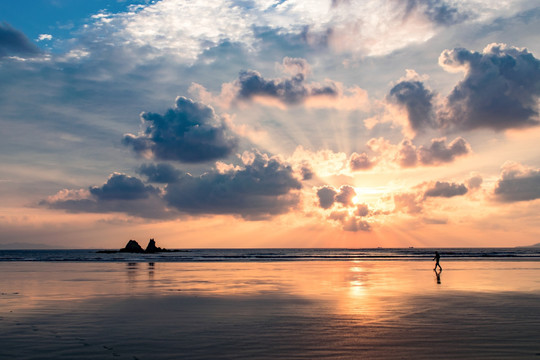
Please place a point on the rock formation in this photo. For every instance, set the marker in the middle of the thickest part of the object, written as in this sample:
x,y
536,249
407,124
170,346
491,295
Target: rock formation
x,y
152,248
132,247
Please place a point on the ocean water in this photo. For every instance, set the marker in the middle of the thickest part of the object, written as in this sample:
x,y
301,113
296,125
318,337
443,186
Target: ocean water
x,y
267,255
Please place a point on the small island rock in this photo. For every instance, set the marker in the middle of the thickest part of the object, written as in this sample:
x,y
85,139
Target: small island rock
x,y
152,248
132,247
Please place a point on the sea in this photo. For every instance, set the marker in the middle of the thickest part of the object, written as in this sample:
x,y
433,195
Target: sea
x,y
269,255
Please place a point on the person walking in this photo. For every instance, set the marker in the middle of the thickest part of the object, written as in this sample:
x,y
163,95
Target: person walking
x,y
437,258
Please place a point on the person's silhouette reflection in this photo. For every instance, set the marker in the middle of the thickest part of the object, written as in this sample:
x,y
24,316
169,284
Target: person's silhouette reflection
x,y
438,275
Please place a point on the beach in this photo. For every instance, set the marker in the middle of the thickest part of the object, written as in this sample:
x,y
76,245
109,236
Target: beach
x,y
395,309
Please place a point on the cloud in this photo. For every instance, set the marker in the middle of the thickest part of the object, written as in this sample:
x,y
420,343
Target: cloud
x,y
474,182
445,189
122,187
354,224
323,163
439,12
295,66
14,42
359,162
43,37
327,196
417,100
159,173
185,30
307,172
518,183
407,154
500,89
362,210
191,132
408,202
345,195
264,187
121,193
290,91
437,153
350,223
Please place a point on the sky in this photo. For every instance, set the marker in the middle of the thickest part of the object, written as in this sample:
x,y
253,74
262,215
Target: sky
x,y
271,123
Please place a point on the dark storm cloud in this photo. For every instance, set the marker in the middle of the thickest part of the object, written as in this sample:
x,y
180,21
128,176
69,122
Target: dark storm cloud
x,y
417,100
445,189
190,132
121,193
327,197
518,184
500,89
159,173
293,90
359,162
14,42
263,188
438,153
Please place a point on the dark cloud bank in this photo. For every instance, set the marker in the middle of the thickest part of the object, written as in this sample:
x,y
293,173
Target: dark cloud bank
x,y
263,188
500,91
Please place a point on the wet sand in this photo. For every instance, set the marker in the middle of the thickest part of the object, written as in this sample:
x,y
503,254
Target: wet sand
x,y
288,310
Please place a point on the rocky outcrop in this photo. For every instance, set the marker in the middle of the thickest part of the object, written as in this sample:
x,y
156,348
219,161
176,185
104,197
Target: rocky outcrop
x,y
132,247
152,248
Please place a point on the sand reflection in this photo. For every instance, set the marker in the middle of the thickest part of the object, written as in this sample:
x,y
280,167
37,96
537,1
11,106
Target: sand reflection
x,y
347,287
331,310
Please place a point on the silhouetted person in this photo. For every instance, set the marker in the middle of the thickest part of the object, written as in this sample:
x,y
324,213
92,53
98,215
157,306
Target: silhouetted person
x,y
437,258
